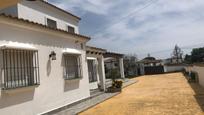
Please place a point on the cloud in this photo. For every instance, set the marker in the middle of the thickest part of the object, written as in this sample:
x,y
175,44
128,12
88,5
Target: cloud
x,y
141,26
100,7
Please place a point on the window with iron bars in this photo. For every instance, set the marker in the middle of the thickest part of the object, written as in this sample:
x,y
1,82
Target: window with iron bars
x,y
20,68
72,66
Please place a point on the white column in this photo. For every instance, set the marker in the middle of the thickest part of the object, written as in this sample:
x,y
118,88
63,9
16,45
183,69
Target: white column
x,y
121,68
97,71
143,71
101,72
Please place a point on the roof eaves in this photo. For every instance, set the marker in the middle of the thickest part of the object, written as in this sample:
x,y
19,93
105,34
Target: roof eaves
x,y
91,47
41,25
60,9
114,53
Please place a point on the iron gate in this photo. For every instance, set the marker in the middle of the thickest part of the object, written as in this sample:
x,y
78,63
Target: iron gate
x,y
154,70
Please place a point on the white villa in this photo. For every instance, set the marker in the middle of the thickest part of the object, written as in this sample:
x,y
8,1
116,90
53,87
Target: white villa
x,y
45,63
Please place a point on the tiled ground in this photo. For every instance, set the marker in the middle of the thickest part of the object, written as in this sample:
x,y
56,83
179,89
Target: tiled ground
x,y
166,94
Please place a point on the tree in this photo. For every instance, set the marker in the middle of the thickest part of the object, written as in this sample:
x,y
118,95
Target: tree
x,y
130,64
187,59
197,55
177,54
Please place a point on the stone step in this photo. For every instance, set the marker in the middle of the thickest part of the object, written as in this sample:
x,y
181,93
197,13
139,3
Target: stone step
x,y
77,107
95,92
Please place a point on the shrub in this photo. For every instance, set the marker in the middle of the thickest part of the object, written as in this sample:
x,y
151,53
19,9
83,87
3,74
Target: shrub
x,y
114,73
193,76
117,84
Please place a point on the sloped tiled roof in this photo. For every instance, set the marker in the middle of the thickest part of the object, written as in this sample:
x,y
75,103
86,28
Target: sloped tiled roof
x,y
113,54
91,49
41,25
60,9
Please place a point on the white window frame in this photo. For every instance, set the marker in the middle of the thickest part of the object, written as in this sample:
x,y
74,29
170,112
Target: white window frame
x,y
50,19
66,66
72,27
21,74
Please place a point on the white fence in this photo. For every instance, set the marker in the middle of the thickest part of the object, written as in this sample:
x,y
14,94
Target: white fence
x,y
173,68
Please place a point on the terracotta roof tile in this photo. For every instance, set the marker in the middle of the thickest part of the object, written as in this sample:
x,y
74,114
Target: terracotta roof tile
x,y
113,54
91,47
41,25
60,9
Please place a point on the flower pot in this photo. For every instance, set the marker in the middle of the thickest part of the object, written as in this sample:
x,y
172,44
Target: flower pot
x,y
113,90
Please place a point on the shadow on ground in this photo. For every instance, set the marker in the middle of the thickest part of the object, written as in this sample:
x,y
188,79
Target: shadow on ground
x,y
199,93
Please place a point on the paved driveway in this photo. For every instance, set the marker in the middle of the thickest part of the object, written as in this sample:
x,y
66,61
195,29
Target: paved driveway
x,y
167,94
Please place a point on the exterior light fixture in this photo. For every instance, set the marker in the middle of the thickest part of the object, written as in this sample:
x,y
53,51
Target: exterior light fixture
x,y
52,55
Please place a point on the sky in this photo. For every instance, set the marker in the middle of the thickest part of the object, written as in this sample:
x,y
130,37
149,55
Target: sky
x,y
140,26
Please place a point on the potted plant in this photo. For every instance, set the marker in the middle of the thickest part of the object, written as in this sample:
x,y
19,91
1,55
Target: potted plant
x,y
116,84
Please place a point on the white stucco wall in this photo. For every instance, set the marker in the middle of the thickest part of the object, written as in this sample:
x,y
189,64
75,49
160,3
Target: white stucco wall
x,y
53,91
173,68
200,71
40,12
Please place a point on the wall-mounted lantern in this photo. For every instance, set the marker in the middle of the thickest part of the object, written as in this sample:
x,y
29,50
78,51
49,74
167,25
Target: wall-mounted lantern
x,y
53,55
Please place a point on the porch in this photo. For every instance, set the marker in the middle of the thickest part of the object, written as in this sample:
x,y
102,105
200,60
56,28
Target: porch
x,y
101,65
96,72
114,67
